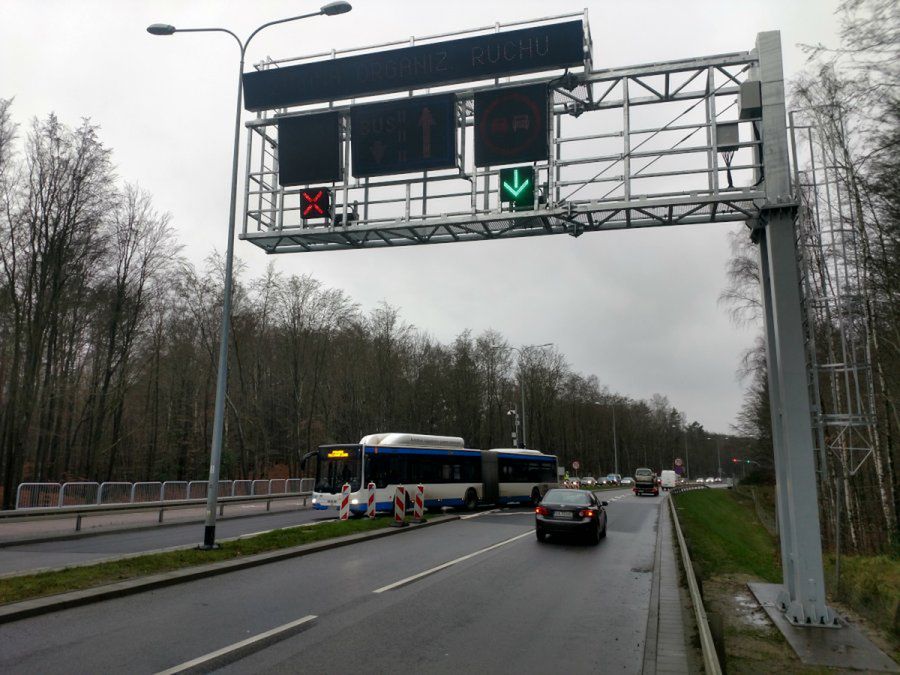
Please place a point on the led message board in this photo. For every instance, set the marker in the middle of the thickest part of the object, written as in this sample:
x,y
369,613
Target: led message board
x,y
309,149
526,50
404,135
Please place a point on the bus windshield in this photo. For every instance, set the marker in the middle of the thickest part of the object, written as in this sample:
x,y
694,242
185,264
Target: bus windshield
x,y
337,465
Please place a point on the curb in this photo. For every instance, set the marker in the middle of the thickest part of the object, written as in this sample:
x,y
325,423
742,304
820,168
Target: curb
x,y
53,603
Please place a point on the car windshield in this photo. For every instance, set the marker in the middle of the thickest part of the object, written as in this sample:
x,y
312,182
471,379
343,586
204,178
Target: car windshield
x,y
574,497
643,472
611,476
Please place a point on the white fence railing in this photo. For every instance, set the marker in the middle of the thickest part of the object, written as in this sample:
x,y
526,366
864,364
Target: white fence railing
x,y
58,495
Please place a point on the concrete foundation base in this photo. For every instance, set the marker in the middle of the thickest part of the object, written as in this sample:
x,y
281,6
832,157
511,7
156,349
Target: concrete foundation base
x,y
845,647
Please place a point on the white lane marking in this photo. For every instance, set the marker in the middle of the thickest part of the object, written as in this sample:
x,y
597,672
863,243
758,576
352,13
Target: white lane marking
x,y
478,515
414,577
221,656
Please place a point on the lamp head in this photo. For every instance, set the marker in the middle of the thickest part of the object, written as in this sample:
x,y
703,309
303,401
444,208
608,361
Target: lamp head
x,y
333,8
160,29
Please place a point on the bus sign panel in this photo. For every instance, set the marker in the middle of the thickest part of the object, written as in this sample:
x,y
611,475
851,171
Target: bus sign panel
x,y
526,50
404,135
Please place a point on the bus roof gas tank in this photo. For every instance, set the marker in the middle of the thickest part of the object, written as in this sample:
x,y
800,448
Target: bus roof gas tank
x,y
401,440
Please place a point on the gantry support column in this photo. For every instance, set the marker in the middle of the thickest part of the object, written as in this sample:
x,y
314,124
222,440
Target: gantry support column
x,y
803,597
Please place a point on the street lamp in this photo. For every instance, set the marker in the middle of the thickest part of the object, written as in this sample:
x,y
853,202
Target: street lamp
x,y
521,381
615,441
522,386
331,9
718,452
515,434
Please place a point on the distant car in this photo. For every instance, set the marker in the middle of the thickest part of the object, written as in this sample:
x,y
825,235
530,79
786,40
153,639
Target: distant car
x,y
588,481
668,479
572,482
645,482
628,480
614,479
570,512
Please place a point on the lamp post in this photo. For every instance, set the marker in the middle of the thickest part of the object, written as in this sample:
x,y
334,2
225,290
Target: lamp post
x,y
718,452
331,9
515,434
522,383
615,441
522,386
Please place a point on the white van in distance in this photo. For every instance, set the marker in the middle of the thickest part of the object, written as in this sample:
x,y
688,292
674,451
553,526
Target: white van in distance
x,y
668,479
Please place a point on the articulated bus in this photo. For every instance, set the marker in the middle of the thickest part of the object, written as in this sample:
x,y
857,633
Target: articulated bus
x,y
452,474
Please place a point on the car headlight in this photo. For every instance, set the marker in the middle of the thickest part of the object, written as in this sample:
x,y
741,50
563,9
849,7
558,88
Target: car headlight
x,y
354,501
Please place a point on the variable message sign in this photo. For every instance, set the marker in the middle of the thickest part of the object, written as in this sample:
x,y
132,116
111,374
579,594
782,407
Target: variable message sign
x,y
404,135
511,125
517,186
315,202
526,50
309,149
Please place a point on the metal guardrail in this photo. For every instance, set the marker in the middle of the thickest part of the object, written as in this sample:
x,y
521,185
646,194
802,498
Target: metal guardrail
x,y
61,495
80,512
707,647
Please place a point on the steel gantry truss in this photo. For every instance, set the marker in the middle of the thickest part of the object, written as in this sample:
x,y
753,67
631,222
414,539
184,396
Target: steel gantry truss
x,y
631,147
646,146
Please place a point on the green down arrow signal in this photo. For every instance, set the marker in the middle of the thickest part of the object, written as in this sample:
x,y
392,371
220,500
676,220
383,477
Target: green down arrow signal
x,y
518,185
516,189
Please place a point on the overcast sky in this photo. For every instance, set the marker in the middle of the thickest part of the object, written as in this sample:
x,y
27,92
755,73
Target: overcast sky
x,y
638,309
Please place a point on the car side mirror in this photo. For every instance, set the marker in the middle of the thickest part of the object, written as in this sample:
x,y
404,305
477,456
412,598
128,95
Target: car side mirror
x,y
604,503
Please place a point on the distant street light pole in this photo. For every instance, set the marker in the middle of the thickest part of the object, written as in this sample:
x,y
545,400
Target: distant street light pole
x,y
212,493
515,438
522,384
612,407
718,452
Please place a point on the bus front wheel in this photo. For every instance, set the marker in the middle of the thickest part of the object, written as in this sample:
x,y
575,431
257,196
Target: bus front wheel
x,y
471,499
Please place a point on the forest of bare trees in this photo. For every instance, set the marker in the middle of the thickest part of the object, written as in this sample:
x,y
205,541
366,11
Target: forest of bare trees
x,y
848,173
108,339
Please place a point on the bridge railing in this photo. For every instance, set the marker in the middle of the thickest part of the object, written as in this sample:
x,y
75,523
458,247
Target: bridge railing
x,y
60,495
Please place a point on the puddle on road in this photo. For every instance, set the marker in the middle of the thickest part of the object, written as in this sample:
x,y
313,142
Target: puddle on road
x,y
749,611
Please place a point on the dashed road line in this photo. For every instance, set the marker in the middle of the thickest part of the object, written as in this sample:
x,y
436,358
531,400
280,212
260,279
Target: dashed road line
x,y
231,653
416,577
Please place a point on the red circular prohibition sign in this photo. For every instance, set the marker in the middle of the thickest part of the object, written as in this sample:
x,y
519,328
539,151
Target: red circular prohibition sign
x,y
535,129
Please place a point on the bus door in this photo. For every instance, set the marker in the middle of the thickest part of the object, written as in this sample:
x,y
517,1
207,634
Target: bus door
x,y
490,476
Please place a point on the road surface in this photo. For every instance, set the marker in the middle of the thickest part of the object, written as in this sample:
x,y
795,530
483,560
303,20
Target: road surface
x,y
505,603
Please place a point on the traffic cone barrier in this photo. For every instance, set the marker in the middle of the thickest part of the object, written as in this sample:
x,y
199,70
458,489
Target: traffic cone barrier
x,y
400,507
370,506
345,501
419,505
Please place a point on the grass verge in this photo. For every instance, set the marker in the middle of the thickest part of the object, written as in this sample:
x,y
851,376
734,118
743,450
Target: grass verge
x,y
725,536
871,586
17,589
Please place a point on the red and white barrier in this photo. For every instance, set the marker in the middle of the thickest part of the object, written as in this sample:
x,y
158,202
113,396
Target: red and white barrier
x,y
370,505
400,507
419,505
345,501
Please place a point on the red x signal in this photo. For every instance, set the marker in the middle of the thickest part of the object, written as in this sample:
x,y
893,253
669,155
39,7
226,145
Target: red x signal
x,y
315,202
